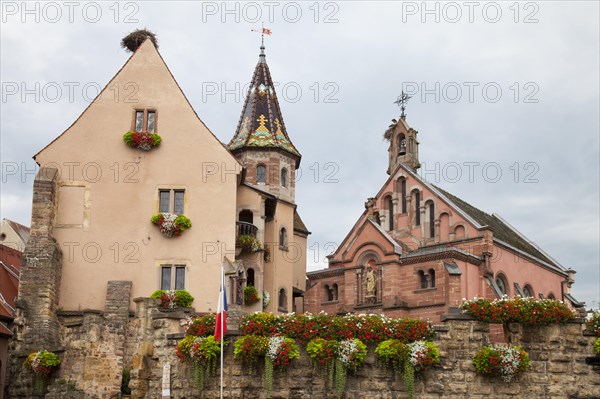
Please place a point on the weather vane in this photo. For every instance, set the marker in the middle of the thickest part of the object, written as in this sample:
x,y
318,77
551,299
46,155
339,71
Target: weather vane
x,y
263,31
401,102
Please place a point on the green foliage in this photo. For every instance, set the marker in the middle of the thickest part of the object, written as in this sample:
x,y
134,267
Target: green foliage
x,y
184,348
171,224
593,324
249,244
322,351
183,222
341,374
506,362
392,352
522,310
250,295
250,349
408,376
158,294
268,376
125,378
183,298
597,346
204,353
367,328
142,140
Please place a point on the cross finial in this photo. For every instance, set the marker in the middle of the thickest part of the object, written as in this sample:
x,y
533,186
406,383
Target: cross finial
x,y
401,102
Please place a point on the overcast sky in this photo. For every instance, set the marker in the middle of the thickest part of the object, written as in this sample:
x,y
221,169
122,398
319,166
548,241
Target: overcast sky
x,y
505,99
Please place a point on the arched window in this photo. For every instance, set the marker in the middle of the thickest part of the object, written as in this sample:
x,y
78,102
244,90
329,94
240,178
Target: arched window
x,y
432,277
334,292
502,284
283,240
417,195
261,174
528,291
459,231
423,279
431,210
403,193
551,296
250,276
246,215
401,144
284,177
282,303
328,293
389,204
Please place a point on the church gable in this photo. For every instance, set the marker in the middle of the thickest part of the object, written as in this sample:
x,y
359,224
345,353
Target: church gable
x,y
368,238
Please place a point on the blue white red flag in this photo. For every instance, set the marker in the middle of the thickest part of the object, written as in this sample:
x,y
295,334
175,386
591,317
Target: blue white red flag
x,y
221,322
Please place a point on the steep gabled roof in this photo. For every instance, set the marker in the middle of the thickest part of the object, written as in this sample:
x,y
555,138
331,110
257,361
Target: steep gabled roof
x,y
19,229
261,123
502,230
299,225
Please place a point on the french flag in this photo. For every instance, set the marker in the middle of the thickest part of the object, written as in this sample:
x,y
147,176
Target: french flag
x,y
221,322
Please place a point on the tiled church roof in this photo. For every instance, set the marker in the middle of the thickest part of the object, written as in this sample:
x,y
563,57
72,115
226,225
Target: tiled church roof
x,y
502,231
261,123
299,224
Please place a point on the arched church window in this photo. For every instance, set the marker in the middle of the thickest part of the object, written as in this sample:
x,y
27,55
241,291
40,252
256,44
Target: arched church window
x,y
551,296
389,204
431,211
403,193
334,292
432,277
261,174
423,283
417,196
528,291
284,177
502,284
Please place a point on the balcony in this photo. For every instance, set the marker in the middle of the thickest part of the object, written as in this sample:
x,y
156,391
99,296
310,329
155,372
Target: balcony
x,y
246,229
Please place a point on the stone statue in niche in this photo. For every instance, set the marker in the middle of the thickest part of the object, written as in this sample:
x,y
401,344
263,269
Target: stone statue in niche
x,y
371,284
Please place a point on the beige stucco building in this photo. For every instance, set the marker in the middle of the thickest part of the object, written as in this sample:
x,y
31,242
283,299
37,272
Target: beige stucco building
x,y
108,191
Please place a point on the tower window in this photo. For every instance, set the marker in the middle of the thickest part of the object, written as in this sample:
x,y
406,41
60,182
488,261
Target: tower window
x,y
283,240
401,144
171,201
284,177
423,279
282,305
250,276
261,174
432,277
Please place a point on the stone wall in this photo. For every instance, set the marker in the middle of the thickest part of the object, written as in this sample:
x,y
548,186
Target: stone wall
x,y
94,352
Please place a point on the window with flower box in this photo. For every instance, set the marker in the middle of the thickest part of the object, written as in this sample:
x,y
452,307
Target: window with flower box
x,y
172,277
144,120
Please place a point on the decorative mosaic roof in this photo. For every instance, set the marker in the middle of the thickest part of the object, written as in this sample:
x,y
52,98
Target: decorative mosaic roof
x,y
261,123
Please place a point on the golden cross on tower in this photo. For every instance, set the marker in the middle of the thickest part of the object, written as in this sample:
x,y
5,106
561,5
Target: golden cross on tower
x,y
401,102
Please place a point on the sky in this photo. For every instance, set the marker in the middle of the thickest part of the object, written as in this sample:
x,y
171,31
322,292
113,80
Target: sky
x,y
505,97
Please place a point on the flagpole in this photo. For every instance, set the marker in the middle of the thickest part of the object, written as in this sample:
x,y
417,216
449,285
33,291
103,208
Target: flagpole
x,y
223,304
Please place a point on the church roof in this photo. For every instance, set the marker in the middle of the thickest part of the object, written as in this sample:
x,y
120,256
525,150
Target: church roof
x,y
299,224
261,124
502,230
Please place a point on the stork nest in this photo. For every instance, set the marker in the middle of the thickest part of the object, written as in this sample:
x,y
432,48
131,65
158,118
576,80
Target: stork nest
x,y
135,39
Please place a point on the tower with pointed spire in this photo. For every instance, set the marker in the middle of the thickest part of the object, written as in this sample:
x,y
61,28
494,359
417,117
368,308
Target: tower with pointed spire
x,y
261,142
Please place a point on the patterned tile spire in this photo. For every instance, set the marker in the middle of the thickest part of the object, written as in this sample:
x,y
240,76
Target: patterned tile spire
x,y
261,124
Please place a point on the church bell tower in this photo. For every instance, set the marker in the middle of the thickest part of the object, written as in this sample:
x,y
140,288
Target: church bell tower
x,y
404,146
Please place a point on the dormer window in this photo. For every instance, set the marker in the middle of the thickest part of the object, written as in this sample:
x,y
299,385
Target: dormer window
x,y
261,174
144,121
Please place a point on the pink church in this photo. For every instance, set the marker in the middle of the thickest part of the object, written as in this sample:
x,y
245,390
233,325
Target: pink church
x,y
417,251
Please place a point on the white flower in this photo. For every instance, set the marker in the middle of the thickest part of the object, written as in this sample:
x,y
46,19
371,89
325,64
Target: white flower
x,y
275,344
